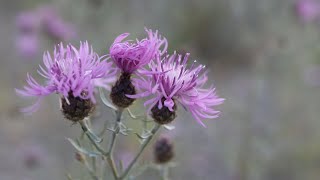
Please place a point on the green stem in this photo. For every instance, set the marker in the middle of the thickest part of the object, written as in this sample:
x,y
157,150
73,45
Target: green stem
x,y
113,167
115,132
143,146
97,146
107,155
91,171
164,172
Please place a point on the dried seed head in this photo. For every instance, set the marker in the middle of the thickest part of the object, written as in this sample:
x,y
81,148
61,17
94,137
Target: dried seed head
x,y
76,109
123,87
163,150
163,115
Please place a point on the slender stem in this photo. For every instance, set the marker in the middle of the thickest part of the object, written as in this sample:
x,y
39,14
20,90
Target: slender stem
x,y
113,167
106,155
94,164
116,130
97,146
91,171
143,146
164,172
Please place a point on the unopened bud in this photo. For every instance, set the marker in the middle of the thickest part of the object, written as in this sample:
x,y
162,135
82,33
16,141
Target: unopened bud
x,y
80,157
163,150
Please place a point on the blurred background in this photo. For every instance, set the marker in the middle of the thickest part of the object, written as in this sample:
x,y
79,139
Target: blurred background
x,y
263,57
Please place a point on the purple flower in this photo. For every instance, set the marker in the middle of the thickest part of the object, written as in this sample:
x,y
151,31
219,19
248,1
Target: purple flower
x,y
70,71
170,81
54,25
27,45
308,10
130,56
27,22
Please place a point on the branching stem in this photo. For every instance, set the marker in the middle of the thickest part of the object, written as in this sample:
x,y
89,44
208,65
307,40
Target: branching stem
x,y
143,146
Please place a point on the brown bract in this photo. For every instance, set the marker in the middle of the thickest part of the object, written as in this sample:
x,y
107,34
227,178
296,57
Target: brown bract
x,y
163,115
123,87
77,109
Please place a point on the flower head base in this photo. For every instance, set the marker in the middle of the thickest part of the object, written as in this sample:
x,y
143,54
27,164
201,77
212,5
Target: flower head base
x,y
121,88
170,81
71,73
76,109
163,115
130,56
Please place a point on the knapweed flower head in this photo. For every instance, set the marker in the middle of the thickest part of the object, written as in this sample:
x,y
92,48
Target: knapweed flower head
x,y
169,81
131,55
72,73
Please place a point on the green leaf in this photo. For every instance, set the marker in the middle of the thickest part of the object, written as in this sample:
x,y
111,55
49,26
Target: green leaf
x,y
82,150
169,127
92,134
105,100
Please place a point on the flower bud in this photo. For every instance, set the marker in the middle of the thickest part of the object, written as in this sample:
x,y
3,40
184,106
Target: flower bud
x,y
80,157
163,150
123,87
75,108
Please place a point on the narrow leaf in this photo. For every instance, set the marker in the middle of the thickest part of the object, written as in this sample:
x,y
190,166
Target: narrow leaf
x,y
105,100
169,127
82,150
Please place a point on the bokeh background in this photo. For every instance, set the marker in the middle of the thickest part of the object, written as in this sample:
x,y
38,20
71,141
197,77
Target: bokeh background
x,y
263,57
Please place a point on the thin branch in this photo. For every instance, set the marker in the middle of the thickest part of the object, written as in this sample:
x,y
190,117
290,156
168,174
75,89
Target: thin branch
x,y
143,146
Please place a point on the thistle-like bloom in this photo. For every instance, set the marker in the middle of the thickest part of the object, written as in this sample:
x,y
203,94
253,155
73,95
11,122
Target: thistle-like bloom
x,y
170,81
72,73
130,56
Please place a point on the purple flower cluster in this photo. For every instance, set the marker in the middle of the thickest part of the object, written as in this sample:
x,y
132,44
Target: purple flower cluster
x,y
166,81
70,70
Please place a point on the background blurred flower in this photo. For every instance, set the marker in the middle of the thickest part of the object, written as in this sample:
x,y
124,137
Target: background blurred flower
x,y
27,45
31,23
54,25
308,10
27,22
31,155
